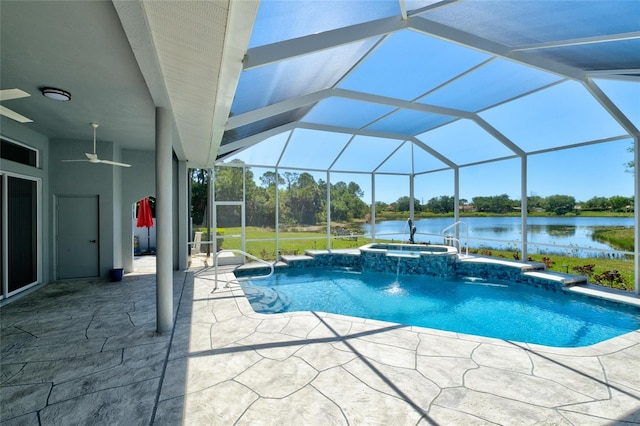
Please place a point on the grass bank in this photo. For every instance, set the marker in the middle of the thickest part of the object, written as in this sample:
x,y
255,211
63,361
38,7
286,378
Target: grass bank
x,y
616,236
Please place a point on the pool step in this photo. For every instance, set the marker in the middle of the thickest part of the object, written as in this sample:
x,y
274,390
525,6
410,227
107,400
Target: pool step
x,y
532,273
265,299
563,280
296,260
341,258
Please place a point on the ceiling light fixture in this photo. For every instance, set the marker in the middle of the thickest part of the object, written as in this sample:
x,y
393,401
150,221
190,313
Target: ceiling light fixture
x,y
57,94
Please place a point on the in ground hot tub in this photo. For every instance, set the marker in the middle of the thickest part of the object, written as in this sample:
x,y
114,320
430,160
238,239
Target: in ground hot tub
x,y
392,249
411,259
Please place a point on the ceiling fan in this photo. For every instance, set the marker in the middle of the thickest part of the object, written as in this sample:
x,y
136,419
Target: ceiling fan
x,y
93,157
9,94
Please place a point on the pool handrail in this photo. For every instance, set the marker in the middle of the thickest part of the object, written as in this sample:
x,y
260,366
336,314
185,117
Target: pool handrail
x,y
452,238
244,253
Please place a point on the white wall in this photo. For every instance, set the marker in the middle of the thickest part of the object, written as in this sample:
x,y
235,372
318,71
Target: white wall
x,y
117,188
84,178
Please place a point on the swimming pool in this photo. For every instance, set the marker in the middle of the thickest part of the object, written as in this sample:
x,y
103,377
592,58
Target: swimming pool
x,y
475,306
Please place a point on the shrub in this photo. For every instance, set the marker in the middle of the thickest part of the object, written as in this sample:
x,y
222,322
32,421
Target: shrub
x,y
586,270
610,277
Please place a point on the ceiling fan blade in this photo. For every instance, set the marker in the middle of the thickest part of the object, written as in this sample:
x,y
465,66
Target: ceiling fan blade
x,y
114,163
92,157
14,115
73,161
8,94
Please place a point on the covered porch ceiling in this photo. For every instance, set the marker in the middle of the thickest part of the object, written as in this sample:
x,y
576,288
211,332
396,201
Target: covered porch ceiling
x,y
120,60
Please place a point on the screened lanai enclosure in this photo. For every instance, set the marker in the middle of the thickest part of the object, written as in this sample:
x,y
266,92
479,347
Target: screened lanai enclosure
x,y
348,105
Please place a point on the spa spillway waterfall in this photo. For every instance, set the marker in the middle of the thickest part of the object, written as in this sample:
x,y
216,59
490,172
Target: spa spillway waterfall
x,y
410,259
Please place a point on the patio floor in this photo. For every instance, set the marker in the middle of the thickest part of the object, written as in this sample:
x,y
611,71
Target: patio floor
x,y
85,352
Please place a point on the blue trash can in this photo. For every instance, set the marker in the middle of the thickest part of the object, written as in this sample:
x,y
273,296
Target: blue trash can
x,y
116,274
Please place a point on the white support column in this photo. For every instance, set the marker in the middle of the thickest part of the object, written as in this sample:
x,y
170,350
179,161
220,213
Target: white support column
x,y
212,240
183,215
411,198
636,257
243,215
328,210
524,206
456,203
164,222
373,207
277,198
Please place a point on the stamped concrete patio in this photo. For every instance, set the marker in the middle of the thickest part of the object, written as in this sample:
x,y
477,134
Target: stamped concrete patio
x,y
79,353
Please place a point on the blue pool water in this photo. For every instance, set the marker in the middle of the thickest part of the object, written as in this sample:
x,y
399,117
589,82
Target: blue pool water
x,y
472,306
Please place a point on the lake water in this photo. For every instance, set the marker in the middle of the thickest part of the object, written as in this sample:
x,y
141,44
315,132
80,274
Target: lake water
x,y
568,235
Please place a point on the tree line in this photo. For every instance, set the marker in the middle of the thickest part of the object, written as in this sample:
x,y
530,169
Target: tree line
x,y
500,204
302,200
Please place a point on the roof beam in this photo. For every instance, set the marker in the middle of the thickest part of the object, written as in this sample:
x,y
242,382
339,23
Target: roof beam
x,y
491,160
469,40
400,103
284,106
294,103
259,137
580,41
403,9
499,136
611,107
287,49
578,145
275,109
627,74
460,37
351,131
429,8
417,142
254,139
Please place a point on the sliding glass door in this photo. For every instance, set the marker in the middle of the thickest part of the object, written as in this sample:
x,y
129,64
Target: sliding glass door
x,y
20,253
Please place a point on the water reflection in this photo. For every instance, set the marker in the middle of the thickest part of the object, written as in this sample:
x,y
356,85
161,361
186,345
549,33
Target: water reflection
x,y
552,230
545,234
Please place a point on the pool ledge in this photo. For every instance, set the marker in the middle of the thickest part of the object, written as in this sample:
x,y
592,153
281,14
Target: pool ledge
x,y
566,280
529,266
605,293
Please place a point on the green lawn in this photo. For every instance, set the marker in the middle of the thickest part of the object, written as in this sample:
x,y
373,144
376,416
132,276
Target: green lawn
x,y
261,241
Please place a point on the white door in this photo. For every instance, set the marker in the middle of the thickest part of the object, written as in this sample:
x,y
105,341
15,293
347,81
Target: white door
x,y
78,237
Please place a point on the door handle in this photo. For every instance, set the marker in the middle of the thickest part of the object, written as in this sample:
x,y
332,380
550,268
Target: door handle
x,y
92,241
